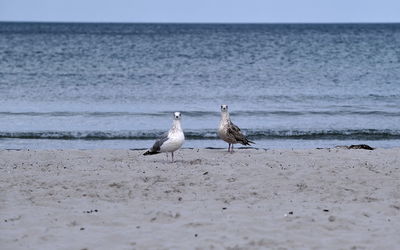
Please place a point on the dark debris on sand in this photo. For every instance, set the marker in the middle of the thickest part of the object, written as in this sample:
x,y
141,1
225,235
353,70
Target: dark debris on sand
x,y
357,146
361,146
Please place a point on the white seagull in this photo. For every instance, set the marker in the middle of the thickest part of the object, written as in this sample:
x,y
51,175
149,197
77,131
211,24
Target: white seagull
x,y
229,132
169,141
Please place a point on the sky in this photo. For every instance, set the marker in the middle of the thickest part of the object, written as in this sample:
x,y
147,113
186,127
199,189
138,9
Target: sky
x,y
202,11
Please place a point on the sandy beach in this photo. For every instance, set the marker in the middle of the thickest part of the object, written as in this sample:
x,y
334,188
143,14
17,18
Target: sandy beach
x,y
208,199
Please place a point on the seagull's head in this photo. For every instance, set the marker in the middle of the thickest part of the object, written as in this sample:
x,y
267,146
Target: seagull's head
x,y
177,115
224,108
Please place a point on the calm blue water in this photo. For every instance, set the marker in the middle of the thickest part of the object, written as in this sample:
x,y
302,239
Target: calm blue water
x,y
116,85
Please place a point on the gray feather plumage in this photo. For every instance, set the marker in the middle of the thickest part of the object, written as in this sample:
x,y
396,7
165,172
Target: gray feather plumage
x,y
157,145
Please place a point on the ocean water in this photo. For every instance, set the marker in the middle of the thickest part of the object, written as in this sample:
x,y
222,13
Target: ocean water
x,y
117,85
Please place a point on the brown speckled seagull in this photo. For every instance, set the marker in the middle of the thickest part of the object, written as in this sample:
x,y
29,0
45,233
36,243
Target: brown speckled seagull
x,y
229,132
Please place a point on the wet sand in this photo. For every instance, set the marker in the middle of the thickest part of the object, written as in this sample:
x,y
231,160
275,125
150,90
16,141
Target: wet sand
x,y
251,199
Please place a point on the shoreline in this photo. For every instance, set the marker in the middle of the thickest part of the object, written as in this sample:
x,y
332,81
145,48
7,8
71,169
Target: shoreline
x,y
352,146
216,143
254,198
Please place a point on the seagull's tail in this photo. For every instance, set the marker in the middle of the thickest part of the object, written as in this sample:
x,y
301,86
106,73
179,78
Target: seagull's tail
x,y
251,142
149,152
247,142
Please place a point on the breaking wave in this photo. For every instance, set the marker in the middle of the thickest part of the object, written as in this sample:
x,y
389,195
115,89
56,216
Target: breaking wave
x,y
362,134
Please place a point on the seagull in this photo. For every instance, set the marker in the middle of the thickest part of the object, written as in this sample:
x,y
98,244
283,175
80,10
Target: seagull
x,y
169,141
229,132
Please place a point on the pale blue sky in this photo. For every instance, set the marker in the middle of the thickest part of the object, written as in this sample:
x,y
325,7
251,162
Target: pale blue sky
x,y
264,11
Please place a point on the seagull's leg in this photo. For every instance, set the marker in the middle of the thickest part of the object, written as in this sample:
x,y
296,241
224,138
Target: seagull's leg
x,y
229,147
232,148
167,156
172,153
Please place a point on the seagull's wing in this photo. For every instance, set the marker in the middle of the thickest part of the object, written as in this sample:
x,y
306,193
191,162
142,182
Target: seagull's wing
x,y
234,131
234,127
157,145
